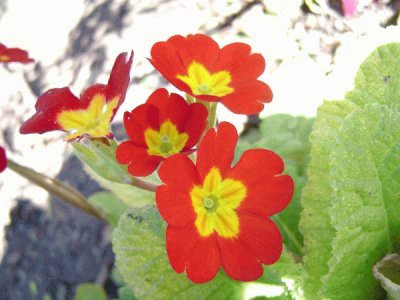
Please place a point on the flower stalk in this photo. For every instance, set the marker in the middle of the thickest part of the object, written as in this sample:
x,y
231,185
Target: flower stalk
x,y
57,188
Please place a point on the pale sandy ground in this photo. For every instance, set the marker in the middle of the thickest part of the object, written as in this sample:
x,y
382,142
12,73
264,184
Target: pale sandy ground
x,y
300,74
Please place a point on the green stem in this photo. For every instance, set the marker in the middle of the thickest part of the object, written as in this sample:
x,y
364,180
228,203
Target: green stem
x,y
143,184
295,242
57,188
212,115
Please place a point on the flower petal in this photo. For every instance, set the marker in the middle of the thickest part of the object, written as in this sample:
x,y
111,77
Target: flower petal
x,y
200,257
140,163
90,93
141,118
119,78
261,237
217,149
3,159
196,121
171,107
236,58
268,192
173,199
47,107
237,261
248,97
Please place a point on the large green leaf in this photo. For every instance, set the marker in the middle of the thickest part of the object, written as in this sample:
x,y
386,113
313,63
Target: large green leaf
x,y
378,79
364,211
314,224
139,245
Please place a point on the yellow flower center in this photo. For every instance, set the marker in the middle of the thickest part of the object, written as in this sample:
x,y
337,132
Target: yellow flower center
x,y
202,82
4,58
93,121
165,142
215,204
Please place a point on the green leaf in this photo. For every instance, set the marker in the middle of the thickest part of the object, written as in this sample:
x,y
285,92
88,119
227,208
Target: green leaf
x,y
387,271
90,291
126,293
128,193
100,158
378,79
314,224
110,205
365,207
141,257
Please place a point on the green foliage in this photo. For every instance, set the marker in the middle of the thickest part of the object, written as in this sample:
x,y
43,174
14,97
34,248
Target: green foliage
x,y
100,163
110,205
90,291
150,275
351,201
365,204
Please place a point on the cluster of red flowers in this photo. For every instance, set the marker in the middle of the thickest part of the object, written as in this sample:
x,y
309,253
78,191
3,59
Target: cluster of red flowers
x,y
217,214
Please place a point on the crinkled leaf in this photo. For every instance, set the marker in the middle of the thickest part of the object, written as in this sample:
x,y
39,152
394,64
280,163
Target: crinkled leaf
x,y
90,291
364,212
314,224
141,257
387,271
378,79
110,205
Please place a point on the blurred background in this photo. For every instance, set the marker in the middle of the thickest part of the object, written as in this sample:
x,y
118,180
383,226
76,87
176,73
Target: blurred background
x,y
312,50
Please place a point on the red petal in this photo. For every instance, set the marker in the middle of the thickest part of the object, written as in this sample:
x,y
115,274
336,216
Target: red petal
x,y
141,118
15,54
242,65
173,199
267,191
238,262
217,149
248,97
88,95
196,121
172,57
199,256
261,237
119,78
140,163
172,107
3,159
48,106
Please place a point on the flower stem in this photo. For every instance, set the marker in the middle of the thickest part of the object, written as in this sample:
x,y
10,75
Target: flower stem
x,y
212,115
57,188
143,184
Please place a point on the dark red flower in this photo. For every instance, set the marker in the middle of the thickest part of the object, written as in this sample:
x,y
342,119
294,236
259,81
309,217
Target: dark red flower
x,y
14,55
3,159
196,65
163,126
218,215
91,115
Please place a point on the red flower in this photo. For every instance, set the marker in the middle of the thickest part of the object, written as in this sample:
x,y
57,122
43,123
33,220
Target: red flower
x,y
14,55
3,159
91,115
217,215
163,126
197,66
